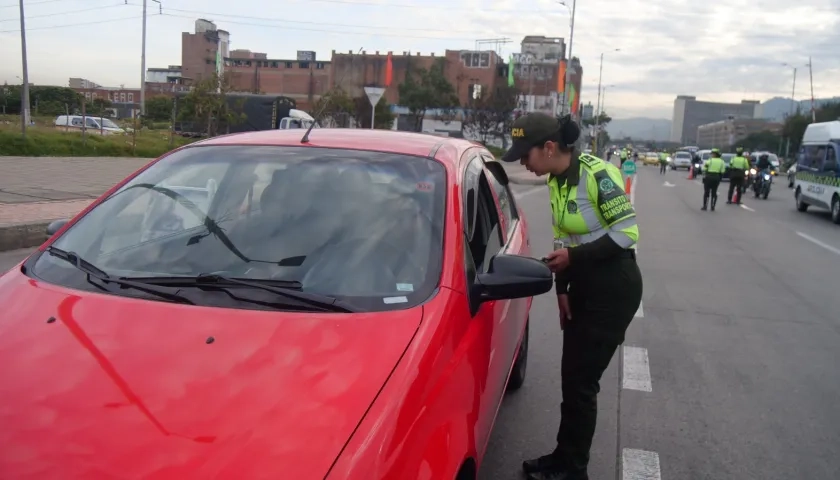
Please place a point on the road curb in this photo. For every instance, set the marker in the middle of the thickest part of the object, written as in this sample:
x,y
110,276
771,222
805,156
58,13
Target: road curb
x,y
24,235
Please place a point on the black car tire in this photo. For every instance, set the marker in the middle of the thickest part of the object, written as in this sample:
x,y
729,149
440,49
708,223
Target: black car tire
x,y
520,367
835,209
800,204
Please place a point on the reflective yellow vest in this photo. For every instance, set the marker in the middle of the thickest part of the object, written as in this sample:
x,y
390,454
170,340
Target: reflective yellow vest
x,y
739,162
714,165
594,207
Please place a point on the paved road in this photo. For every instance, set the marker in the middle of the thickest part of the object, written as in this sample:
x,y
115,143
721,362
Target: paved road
x,y
730,369
737,339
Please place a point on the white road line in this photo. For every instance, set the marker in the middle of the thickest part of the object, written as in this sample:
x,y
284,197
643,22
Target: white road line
x,y
633,188
636,374
641,311
819,242
531,191
640,465
747,208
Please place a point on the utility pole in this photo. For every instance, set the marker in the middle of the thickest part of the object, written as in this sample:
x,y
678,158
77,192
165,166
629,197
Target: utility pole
x,y
569,65
597,105
25,87
792,104
143,62
811,74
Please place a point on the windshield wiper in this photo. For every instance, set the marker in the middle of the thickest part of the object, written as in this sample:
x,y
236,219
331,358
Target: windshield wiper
x,y
284,288
92,270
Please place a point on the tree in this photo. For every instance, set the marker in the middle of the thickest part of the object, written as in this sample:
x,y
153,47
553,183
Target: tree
x,y
765,140
491,114
208,106
602,119
335,108
384,118
424,89
98,107
159,108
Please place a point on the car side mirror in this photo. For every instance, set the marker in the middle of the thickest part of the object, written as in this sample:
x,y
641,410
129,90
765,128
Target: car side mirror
x,y
56,226
513,276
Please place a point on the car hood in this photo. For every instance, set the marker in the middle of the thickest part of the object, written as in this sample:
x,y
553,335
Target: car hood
x,y
101,386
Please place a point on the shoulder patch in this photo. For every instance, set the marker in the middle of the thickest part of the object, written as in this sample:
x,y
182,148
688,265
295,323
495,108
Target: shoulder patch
x,y
589,160
613,204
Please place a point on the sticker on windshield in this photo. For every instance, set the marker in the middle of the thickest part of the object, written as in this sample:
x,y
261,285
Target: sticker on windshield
x,y
405,287
425,186
390,300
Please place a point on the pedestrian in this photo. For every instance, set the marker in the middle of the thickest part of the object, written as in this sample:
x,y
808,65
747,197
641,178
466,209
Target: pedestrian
x,y
622,156
738,168
598,283
663,163
712,173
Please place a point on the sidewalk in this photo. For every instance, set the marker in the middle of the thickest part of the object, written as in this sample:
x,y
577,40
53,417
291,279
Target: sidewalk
x,y
34,191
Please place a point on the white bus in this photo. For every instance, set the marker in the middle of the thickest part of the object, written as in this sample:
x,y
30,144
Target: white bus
x,y
817,180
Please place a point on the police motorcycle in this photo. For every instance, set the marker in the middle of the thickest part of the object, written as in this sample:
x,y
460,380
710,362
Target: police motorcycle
x,y
762,181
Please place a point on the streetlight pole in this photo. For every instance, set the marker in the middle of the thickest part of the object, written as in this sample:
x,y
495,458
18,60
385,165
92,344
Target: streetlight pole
x,y
569,65
811,74
25,87
143,63
792,106
597,104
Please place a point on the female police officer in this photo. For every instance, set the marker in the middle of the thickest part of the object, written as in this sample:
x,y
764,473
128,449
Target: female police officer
x,y
599,285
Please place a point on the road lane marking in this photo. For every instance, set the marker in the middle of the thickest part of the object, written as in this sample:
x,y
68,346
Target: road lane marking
x,y
668,184
529,192
747,208
641,311
819,242
636,371
640,465
633,188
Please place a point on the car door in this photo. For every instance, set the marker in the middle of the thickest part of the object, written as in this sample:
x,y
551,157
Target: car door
x,y
495,333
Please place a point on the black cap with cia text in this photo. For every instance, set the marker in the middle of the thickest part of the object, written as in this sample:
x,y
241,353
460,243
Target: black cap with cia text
x,y
534,129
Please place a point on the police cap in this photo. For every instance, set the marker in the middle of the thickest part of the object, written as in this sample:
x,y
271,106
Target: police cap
x,y
534,129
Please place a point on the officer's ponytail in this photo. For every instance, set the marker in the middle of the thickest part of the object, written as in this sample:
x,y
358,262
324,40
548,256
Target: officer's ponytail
x,y
568,134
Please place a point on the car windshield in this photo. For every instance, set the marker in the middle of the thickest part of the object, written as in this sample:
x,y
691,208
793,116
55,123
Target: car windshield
x,y
705,155
362,226
683,155
108,123
727,157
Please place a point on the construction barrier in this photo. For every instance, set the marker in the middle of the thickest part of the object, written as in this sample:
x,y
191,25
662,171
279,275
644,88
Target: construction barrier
x,y
628,184
691,172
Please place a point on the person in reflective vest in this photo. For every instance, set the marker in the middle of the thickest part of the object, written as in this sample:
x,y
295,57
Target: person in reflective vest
x,y
663,163
712,173
598,283
738,168
623,156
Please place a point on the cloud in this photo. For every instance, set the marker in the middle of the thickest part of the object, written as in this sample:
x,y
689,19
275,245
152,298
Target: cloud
x,y
716,50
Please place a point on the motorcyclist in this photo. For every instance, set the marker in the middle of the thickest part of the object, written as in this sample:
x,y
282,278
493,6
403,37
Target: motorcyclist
x,y
762,166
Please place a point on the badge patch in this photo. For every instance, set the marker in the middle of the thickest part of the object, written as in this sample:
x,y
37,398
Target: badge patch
x,y
573,207
606,186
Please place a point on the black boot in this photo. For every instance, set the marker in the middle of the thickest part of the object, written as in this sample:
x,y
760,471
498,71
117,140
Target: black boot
x,y
546,462
714,201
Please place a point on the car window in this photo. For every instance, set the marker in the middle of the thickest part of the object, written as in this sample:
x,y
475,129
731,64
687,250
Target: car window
x,y
506,202
365,226
705,155
814,156
91,123
830,164
484,239
683,155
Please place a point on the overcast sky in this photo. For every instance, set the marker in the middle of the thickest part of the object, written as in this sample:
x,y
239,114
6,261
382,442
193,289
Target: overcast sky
x,y
722,50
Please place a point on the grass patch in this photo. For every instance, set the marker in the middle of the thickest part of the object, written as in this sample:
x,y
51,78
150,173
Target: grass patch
x,y
44,140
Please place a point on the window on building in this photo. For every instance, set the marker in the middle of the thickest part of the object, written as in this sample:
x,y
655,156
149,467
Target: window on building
x,y
130,97
485,60
207,61
122,97
303,64
87,95
289,64
247,63
319,65
274,64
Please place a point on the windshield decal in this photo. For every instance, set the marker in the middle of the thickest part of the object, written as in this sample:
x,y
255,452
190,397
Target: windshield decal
x,y
405,287
392,300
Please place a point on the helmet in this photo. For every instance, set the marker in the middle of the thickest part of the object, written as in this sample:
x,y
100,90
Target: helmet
x,y
716,150
739,150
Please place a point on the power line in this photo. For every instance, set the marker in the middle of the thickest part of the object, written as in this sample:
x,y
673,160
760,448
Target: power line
x,y
29,4
96,22
28,17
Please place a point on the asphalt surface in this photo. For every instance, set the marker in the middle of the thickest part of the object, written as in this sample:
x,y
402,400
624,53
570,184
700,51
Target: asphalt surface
x,y
740,327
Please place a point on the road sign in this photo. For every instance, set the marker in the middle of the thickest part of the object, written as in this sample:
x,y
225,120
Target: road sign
x,y
374,94
628,167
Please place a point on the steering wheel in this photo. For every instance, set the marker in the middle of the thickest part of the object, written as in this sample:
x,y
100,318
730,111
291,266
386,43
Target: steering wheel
x,y
331,256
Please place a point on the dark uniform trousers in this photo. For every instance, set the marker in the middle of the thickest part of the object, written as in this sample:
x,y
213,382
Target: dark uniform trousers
x,y
663,167
711,182
603,299
735,181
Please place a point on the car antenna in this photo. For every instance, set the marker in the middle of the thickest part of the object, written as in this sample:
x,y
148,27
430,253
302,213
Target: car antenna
x,y
305,138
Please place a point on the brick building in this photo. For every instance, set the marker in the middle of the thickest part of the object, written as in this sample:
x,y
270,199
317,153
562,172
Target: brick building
x,y
304,79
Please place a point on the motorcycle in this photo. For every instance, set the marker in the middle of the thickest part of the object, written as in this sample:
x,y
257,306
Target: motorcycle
x,y
761,185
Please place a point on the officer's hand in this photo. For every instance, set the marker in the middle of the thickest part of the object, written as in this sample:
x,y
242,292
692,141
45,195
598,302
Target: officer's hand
x,y
565,310
558,260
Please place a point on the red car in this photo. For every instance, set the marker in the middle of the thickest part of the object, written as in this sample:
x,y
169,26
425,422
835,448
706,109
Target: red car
x,y
253,306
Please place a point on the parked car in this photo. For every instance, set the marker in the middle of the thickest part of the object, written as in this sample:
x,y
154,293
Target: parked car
x,y
263,305
95,125
681,159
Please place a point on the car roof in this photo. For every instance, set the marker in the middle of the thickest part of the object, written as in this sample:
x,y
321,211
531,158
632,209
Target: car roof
x,y
445,149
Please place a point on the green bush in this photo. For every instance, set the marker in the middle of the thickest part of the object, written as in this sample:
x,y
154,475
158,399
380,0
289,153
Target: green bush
x,y
51,142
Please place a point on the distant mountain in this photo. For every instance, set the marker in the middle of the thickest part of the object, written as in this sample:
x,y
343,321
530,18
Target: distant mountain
x,y
640,128
777,107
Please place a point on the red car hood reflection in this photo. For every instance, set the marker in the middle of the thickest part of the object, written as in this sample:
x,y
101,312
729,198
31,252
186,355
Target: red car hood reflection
x,y
124,388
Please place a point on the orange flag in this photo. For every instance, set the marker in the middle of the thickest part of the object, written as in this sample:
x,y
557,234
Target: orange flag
x,y
389,71
561,77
